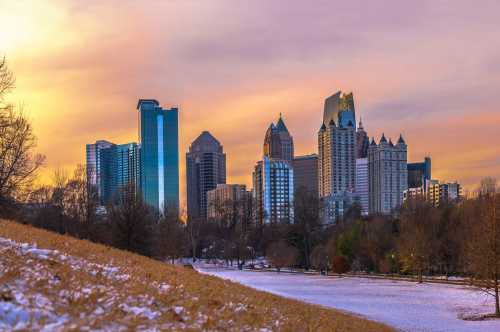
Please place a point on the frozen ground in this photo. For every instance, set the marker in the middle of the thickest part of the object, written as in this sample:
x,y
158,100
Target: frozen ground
x,y
404,305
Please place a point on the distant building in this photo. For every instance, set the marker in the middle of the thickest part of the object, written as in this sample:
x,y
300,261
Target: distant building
x,y
235,195
99,169
273,190
436,193
278,143
451,191
362,192
127,168
159,154
362,142
388,175
305,172
419,173
113,169
335,206
337,150
205,169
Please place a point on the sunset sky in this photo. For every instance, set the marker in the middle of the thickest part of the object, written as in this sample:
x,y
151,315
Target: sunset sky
x,y
427,69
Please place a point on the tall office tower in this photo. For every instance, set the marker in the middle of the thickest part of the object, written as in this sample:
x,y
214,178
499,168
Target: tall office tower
x,y
126,162
419,173
339,107
362,142
159,153
99,169
233,196
337,156
205,169
113,169
273,191
278,143
387,174
305,173
362,184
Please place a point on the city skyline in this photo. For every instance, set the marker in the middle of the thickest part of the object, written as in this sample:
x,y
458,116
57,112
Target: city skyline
x,y
446,108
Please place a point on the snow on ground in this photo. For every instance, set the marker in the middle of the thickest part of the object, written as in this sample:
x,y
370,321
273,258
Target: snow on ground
x,y
407,306
34,299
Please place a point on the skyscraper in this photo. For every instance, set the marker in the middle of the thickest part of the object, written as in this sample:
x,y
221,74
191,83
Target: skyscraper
x,y
99,169
339,107
205,169
362,192
362,142
273,191
113,169
388,175
159,151
126,173
305,173
337,154
278,143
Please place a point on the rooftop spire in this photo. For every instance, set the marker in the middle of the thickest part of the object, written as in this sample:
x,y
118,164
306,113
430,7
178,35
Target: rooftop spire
x,y
360,127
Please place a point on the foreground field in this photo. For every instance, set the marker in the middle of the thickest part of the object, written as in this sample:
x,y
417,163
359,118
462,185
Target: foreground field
x,y
408,306
61,283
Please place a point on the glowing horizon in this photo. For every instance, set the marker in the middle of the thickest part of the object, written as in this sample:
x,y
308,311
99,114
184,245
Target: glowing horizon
x,y
429,71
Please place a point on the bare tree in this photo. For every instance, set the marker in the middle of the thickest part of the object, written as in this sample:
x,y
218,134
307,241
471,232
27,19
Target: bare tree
x,y
280,255
171,235
306,220
18,163
484,245
132,223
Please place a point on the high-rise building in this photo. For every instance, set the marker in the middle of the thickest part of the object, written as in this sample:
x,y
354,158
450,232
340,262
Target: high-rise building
x,y
362,142
362,192
99,169
273,190
387,174
205,169
337,151
305,172
113,169
419,173
339,107
126,174
278,143
450,191
159,153
219,198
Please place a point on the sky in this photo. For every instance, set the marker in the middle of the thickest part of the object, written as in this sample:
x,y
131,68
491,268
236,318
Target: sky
x,y
427,69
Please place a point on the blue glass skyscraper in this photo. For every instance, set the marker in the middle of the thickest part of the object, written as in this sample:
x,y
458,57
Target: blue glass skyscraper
x,y
159,150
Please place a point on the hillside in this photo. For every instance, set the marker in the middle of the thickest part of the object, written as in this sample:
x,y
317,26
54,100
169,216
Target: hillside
x,y
52,282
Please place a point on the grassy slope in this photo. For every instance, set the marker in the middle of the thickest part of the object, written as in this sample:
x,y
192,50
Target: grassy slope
x,y
206,302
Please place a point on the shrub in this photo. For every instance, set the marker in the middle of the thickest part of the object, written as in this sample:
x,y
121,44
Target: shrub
x,y
340,264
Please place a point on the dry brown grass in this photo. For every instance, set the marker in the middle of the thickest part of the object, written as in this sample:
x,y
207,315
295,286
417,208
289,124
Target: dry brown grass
x,y
208,303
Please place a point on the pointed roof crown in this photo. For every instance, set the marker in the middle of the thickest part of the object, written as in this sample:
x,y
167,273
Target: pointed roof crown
x,y
401,140
280,125
383,139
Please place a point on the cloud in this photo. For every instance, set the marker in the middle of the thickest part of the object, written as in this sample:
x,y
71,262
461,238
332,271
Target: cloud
x,y
428,69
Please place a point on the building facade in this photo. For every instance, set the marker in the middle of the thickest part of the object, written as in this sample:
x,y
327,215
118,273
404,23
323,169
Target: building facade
x,y
388,175
98,169
362,142
337,150
362,193
205,169
278,143
113,170
273,190
235,195
419,173
159,154
305,173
